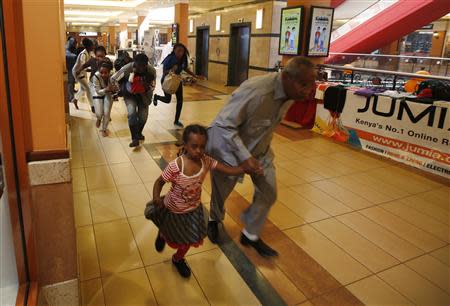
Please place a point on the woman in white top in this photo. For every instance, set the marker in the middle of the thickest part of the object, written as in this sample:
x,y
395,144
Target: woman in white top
x,y
102,90
80,74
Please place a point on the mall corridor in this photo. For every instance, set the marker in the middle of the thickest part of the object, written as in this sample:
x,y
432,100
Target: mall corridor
x,y
351,228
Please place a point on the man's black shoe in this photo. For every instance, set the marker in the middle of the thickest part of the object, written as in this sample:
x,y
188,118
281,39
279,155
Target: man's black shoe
x,y
93,109
160,243
213,231
259,245
134,143
182,267
141,137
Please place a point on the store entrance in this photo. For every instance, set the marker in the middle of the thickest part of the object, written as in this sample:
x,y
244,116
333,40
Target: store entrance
x,y
202,51
239,53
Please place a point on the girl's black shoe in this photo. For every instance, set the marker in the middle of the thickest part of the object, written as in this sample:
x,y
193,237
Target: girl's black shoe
x,y
182,267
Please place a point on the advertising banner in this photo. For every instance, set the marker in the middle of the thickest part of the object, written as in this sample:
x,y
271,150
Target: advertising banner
x,y
319,31
290,30
412,133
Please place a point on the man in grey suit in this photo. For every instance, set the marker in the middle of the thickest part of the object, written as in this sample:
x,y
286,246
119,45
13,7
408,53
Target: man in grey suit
x,y
241,135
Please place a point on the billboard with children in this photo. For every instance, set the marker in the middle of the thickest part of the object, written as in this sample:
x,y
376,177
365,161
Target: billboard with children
x,y
290,31
319,32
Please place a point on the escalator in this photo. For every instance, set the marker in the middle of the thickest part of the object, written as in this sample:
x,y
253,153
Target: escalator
x,y
384,22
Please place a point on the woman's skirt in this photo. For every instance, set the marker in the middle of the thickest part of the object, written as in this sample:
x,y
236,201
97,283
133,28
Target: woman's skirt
x,y
179,229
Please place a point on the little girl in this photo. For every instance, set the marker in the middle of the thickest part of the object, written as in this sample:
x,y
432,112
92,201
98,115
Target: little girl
x,y
102,95
179,215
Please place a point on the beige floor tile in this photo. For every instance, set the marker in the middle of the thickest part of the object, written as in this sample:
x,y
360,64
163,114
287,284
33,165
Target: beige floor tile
x,y
207,266
94,157
82,209
418,219
115,153
134,199
337,262
335,165
389,242
300,171
345,196
283,217
145,232
88,265
78,180
392,176
318,167
128,288
106,205
366,191
180,292
415,177
288,179
442,254
92,293
125,174
367,253
439,197
137,155
381,186
76,160
117,250
300,206
99,177
147,170
424,206
327,203
414,287
403,229
433,270
373,291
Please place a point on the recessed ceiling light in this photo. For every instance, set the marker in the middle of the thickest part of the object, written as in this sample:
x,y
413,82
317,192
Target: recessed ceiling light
x,y
86,23
92,13
128,4
87,19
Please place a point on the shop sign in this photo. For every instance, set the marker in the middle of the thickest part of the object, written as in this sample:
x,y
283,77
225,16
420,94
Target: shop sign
x,y
409,132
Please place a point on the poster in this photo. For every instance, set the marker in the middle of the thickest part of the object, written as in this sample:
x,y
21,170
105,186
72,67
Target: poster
x,y
290,31
319,32
174,33
411,133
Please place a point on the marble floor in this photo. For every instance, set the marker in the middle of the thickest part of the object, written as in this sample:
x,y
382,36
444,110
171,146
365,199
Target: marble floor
x,y
351,228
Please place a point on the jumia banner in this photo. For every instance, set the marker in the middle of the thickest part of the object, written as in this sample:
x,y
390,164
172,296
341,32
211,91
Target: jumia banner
x,y
413,133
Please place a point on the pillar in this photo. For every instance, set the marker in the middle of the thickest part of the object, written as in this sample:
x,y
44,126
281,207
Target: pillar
x,y
123,35
296,107
140,20
181,18
112,38
307,10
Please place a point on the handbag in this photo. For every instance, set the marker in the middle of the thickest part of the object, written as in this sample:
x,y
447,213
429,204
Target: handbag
x,y
171,83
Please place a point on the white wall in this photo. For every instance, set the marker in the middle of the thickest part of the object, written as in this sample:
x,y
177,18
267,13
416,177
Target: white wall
x,y
9,283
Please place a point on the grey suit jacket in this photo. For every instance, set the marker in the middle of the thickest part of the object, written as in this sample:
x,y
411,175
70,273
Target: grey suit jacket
x,y
245,125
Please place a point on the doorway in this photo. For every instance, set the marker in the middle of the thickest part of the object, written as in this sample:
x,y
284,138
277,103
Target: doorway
x,y
239,55
202,51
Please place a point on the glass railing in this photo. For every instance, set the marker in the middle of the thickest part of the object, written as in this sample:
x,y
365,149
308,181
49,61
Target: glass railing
x,y
438,66
365,15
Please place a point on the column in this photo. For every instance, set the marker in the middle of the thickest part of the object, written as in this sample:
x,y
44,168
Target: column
x,y
307,5
112,38
296,107
123,35
181,18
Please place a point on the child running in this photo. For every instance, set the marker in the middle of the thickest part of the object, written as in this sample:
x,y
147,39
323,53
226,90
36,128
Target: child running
x,y
102,95
179,215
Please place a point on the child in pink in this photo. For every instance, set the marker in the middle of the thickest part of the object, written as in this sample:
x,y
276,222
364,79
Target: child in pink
x,y
179,215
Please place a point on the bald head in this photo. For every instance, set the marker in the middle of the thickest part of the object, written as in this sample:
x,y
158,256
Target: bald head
x,y
298,78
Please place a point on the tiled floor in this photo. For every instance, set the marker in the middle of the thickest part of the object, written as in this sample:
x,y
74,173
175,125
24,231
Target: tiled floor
x,y
351,228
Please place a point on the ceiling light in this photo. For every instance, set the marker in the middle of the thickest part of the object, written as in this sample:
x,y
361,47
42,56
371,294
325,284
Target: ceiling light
x,y
218,22
92,13
191,25
86,23
126,4
87,19
259,18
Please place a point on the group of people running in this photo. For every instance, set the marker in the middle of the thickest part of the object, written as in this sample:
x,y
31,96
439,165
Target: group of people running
x,y
135,81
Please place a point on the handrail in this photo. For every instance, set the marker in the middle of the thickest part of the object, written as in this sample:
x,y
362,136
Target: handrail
x,y
396,56
405,74
360,18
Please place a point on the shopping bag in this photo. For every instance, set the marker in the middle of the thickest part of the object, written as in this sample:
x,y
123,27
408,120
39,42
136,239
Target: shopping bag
x,y
171,83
